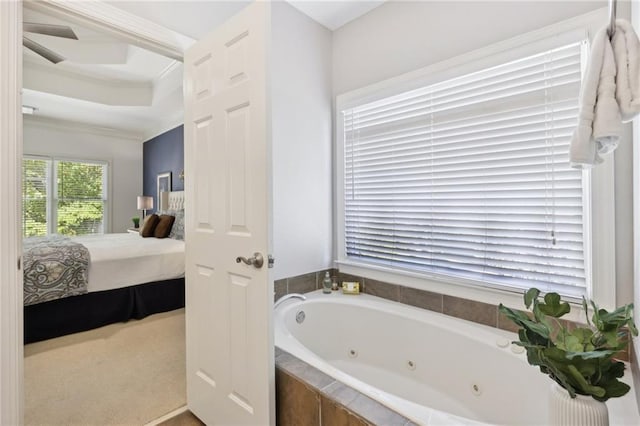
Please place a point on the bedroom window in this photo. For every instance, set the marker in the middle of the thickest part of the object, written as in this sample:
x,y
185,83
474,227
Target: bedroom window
x,y
67,197
35,196
467,180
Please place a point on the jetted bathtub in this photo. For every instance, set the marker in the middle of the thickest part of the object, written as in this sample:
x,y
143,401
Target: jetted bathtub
x,y
429,367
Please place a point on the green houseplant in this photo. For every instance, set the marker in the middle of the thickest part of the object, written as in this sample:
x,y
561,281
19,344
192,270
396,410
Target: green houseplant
x,y
136,221
582,359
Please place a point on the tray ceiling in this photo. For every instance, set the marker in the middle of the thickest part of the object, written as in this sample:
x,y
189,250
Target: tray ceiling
x,y
106,82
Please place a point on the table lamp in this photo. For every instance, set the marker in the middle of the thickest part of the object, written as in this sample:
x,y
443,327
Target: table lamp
x,y
145,203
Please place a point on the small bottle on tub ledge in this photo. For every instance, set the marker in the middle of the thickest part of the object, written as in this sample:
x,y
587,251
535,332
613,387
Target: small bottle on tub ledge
x,y
326,283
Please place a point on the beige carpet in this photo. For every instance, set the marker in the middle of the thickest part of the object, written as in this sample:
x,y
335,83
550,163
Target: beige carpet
x,y
121,374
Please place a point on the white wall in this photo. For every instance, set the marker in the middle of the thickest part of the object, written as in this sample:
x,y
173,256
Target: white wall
x,y
301,125
399,37
123,153
635,20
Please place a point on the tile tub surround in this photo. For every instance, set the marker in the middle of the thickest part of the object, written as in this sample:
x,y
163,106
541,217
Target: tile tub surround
x,y
469,310
307,396
301,283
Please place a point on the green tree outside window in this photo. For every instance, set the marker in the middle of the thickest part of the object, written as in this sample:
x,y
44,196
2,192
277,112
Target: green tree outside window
x,y
80,197
35,175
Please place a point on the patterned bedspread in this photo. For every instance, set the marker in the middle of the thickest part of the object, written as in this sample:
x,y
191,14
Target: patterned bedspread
x,y
54,267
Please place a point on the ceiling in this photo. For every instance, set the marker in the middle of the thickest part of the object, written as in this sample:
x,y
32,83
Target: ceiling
x,y
107,83
103,83
334,14
197,18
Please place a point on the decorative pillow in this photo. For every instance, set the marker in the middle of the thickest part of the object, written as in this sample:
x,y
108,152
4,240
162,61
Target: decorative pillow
x,y
164,226
177,230
149,226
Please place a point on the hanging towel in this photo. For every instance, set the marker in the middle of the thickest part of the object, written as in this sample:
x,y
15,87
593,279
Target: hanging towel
x,y
626,50
599,123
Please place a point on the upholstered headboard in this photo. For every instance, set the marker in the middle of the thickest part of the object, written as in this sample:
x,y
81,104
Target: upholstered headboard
x,y
171,200
176,200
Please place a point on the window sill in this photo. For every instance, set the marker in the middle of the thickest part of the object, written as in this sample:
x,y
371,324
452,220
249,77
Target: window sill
x,y
448,287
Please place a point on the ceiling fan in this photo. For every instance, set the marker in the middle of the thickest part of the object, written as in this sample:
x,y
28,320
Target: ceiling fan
x,y
50,30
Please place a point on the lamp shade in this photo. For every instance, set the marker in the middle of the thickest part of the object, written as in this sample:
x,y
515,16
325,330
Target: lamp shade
x,y
145,202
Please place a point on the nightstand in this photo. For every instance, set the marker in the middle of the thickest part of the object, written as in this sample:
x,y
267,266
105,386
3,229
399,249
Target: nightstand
x,y
133,230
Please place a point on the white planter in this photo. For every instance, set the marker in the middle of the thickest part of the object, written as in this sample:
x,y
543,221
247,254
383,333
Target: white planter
x,y
579,411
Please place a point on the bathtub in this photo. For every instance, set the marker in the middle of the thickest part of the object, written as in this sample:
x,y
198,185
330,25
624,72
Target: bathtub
x,y
429,367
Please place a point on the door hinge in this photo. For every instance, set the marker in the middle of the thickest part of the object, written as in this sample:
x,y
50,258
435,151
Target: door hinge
x,y
270,261
19,262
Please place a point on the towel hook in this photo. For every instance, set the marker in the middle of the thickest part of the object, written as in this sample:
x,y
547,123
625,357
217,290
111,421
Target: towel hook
x,y
612,17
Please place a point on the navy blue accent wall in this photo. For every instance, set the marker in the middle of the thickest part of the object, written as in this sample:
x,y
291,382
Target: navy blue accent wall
x,y
164,153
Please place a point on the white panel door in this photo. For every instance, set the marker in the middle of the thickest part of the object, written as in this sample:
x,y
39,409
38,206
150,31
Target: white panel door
x,y
230,366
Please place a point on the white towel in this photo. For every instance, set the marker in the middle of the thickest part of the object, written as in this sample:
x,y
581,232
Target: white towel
x,y
599,124
626,50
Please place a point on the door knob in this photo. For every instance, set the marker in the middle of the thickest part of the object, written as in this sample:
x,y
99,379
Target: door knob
x,y
257,260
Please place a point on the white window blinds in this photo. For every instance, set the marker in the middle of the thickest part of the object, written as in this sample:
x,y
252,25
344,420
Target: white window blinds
x,y
470,178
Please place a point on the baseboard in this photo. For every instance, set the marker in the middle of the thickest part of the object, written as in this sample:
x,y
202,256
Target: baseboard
x,y
167,416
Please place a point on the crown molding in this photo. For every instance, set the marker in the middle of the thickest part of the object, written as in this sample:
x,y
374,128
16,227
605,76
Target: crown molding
x,y
75,126
170,124
167,71
118,23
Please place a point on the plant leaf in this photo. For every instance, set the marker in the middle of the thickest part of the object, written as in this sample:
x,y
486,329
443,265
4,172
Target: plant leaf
x,y
583,334
531,295
559,356
553,306
580,360
573,344
590,354
513,315
533,356
585,306
554,372
583,384
617,369
614,389
538,328
596,316
537,333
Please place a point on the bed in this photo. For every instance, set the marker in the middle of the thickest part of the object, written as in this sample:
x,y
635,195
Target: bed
x,y
127,277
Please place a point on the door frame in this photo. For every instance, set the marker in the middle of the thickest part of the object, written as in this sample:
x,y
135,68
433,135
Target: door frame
x,y
96,15
11,376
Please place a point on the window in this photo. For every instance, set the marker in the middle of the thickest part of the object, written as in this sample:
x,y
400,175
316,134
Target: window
x,y
35,196
81,197
468,179
67,197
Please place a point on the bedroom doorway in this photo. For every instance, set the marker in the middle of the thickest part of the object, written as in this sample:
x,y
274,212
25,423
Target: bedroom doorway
x,y
11,16
94,15
89,142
